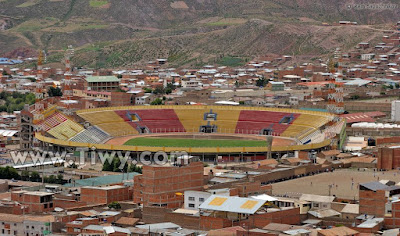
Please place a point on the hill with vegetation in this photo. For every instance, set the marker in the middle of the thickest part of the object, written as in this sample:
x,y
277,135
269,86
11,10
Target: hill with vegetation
x,y
190,32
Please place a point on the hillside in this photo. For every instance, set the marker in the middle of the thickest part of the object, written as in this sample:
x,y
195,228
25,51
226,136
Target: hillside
x,y
122,32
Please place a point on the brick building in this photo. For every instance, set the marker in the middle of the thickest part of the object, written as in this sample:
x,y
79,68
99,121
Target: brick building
x,y
102,83
389,158
374,196
36,201
75,227
393,221
104,195
124,98
158,186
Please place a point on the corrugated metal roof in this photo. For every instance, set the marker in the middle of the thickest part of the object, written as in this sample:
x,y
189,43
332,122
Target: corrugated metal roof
x,y
370,223
102,180
297,232
232,204
8,133
316,198
92,79
324,213
374,186
166,225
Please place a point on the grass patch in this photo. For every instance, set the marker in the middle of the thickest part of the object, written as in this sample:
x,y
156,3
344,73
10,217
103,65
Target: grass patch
x,y
227,22
35,24
231,61
97,3
29,3
166,142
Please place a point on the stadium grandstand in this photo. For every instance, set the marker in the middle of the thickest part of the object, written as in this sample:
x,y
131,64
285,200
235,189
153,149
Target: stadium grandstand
x,y
215,129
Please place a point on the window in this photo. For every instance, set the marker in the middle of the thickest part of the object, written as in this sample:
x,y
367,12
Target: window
x,y
2,231
191,205
191,198
15,232
201,199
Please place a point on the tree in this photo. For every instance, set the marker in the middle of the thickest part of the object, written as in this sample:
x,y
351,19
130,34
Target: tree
x,y
159,90
107,166
35,176
157,101
73,166
135,168
54,92
147,90
171,85
114,205
116,164
50,179
261,82
60,179
25,175
9,173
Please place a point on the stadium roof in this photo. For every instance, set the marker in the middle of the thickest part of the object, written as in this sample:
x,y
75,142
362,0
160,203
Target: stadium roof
x,y
94,79
232,204
102,180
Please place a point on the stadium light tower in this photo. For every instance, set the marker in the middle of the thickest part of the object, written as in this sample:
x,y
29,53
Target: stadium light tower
x,y
335,91
269,140
67,93
39,86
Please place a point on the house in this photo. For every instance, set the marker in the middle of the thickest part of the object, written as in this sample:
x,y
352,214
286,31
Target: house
x,y
338,231
105,230
193,199
318,201
102,83
276,86
220,211
142,100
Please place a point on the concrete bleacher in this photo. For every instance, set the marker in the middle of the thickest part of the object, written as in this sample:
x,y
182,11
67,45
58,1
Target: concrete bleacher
x,y
253,122
66,130
91,135
226,120
52,121
305,124
110,122
156,121
191,119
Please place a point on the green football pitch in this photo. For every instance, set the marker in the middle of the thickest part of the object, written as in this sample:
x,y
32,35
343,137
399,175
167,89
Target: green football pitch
x,y
167,142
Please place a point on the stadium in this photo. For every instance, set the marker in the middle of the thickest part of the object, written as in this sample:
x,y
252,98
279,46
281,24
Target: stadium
x,y
208,131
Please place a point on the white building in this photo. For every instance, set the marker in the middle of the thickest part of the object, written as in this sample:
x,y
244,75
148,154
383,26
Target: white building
x,y
142,100
396,111
193,199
